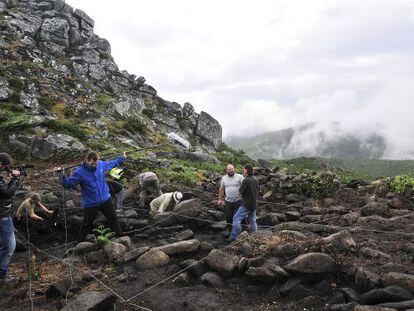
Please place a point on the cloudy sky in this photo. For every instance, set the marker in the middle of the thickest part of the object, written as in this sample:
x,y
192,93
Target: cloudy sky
x,y
271,64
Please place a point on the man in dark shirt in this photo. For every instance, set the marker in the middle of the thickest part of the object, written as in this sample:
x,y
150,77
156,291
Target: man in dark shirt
x,y
249,191
7,239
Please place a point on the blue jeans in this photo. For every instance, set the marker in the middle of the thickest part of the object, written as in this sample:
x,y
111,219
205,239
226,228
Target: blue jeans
x,y
7,244
241,214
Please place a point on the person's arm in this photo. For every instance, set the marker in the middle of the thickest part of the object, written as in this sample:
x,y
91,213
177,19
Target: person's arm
x,y
164,204
7,189
72,181
108,165
44,208
35,217
220,195
243,187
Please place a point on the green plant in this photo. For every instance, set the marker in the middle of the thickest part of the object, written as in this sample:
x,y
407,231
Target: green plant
x,y
104,234
104,101
402,184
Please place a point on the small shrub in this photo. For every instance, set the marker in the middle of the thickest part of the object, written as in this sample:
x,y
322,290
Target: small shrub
x,y
104,234
402,184
46,102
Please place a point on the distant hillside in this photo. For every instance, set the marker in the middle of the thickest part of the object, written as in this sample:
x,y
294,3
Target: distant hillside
x,y
311,140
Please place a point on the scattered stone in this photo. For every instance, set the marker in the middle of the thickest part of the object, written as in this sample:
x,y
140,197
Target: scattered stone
x,y
115,251
89,276
195,267
342,241
181,247
366,280
284,250
372,253
312,263
400,279
181,280
92,301
152,259
212,279
222,262
59,288
206,246
135,253
83,248
388,294
185,235
126,241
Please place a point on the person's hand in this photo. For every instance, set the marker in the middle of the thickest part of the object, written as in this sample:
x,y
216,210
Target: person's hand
x,y
40,219
220,203
125,154
50,212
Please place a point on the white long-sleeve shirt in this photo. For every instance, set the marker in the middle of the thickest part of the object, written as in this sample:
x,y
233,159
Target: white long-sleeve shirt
x,y
160,204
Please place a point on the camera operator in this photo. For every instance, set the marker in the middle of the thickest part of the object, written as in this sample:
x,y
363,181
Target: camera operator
x,y
7,189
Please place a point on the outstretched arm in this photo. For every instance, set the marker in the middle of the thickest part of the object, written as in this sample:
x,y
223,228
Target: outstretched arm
x,y
113,163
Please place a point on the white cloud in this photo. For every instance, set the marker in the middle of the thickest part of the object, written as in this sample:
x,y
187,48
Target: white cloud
x,y
274,63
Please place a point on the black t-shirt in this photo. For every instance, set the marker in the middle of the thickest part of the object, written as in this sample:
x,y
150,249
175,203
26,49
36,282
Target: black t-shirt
x,y
249,190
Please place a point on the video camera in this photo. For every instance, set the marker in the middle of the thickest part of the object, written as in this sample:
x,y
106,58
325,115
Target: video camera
x,y
22,168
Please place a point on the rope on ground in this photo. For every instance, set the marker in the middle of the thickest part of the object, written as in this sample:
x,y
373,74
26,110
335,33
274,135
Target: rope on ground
x,y
29,262
237,241
123,300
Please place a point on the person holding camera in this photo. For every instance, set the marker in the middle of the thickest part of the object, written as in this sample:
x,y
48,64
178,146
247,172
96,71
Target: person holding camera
x,y
7,190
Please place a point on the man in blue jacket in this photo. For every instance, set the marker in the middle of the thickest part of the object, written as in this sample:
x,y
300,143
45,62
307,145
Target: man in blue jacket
x,y
95,191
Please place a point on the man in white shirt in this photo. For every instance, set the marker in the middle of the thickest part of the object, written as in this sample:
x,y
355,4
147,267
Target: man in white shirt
x,y
230,185
165,202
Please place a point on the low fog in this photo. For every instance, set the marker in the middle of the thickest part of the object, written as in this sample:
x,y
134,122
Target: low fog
x,y
344,66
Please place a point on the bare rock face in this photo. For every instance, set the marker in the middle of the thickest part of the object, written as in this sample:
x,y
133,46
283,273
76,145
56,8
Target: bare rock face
x,y
209,129
312,263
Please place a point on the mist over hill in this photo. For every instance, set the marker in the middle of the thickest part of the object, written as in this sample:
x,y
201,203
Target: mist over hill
x,y
312,140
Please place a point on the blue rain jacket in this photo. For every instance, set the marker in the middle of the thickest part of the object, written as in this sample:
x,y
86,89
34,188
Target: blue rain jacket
x,y
95,190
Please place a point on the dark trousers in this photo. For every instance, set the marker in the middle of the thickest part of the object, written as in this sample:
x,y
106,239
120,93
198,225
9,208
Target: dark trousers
x,y
90,214
230,208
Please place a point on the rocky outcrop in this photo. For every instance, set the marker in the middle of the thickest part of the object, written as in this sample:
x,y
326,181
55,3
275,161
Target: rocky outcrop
x,y
209,129
60,78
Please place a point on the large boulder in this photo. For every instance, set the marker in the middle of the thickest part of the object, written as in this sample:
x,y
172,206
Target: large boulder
x,y
312,263
222,262
209,129
92,301
179,247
